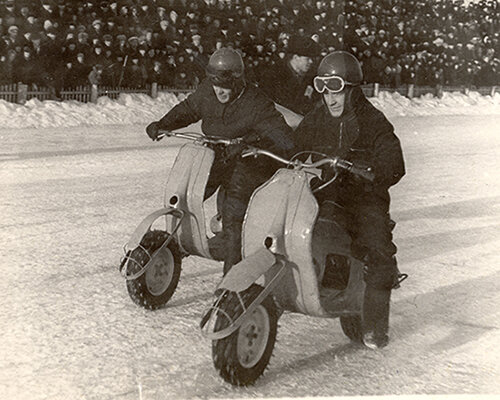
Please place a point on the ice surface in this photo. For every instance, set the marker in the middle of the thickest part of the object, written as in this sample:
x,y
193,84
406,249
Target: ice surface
x,y
70,198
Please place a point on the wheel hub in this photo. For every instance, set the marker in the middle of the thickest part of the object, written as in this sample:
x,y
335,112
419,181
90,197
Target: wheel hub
x,y
159,274
252,337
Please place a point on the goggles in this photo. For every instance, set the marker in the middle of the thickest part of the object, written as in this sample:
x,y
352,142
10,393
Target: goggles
x,y
224,79
334,84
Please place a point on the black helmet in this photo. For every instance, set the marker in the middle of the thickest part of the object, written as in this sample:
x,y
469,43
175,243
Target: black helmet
x,y
225,67
343,64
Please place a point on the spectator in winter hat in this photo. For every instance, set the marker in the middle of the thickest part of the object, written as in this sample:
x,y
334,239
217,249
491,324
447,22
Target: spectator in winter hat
x,y
83,42
96,29
8,9
121,48
70,51
81,69
25,69
97,55
133,44
95,75
289,83
13,39
47,11
107,41
12,30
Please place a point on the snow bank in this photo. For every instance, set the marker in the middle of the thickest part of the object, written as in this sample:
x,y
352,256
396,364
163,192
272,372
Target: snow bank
x,y
452,103
141,109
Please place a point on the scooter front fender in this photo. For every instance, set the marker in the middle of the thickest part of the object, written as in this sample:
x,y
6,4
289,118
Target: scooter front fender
x,y
146,223
242,275
239,278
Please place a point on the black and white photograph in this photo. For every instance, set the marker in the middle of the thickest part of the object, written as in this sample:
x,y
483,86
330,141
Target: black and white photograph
x,y
244,199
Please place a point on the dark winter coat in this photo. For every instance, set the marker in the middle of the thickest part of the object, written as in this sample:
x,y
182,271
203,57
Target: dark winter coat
x,y
362,135
288,89
250,115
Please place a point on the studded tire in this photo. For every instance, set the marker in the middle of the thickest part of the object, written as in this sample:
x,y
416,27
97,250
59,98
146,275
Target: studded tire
x,y
242,357
154,288
352,327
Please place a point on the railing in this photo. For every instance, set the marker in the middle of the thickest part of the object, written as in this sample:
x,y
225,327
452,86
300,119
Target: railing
x,y
20,93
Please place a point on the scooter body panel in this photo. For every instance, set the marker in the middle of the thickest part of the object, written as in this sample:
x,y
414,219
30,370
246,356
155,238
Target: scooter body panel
x,y
185,190
281,216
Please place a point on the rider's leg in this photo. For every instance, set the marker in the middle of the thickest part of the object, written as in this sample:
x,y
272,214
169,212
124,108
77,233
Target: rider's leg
x,y
376,306
218,178
331,227
238,192
232,220
373,244
219,173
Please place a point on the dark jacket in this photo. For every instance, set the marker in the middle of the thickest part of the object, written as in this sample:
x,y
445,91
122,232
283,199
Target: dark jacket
x,y
251,115
288,89
362,135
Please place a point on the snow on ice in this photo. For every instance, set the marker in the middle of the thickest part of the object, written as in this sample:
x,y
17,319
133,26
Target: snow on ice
x,y
141,109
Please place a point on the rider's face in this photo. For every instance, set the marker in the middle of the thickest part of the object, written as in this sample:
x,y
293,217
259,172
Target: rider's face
x,y
334,102
222,94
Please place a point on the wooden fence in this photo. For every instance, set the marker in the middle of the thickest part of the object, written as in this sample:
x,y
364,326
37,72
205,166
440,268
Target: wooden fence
x,y
20,93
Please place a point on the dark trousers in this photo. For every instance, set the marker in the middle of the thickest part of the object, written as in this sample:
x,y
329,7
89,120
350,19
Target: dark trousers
x,y
239,180
370,227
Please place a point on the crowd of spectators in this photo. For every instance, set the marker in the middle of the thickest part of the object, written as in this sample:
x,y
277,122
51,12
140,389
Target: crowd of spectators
x,y
67,43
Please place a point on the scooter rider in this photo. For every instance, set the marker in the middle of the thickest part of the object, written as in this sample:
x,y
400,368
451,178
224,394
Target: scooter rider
x,y
230,108
347,125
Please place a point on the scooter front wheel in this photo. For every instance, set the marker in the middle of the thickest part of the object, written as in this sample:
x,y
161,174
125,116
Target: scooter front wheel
x,y
154,288
242,357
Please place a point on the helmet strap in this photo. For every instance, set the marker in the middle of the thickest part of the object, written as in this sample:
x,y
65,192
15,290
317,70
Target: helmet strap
x,y
237,88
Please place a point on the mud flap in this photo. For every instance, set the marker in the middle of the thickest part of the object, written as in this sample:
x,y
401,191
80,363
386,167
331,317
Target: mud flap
x,y
247,271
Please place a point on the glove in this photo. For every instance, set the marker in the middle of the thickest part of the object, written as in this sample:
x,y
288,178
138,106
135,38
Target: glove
x,y
153,130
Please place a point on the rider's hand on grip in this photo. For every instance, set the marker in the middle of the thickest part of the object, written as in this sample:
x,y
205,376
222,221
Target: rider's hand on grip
x,y
364,172
358,170
153,131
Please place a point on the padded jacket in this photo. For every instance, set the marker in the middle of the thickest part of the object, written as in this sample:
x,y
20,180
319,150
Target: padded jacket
x,y
362,135
252,115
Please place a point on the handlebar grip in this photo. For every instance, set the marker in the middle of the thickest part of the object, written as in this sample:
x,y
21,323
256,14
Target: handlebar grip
x,y
162,133
364,172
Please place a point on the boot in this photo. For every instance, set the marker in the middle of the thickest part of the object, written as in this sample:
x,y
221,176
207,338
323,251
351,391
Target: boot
x,y
376,317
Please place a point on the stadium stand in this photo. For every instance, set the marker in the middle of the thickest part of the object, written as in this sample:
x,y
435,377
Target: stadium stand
x,y
58,43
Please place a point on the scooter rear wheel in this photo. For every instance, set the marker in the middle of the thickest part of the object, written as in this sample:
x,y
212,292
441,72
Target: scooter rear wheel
x,y
352,327
242,357
154,288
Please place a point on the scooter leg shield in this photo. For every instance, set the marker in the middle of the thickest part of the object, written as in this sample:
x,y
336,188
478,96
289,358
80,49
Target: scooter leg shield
x,y
376,307
247,271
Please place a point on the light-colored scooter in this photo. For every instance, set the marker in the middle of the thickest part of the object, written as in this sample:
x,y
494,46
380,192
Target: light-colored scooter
x,y
288,250
153,258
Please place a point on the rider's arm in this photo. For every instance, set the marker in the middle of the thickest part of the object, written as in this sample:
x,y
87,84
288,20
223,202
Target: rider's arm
x,y
304,135
186,112
388,161
270,126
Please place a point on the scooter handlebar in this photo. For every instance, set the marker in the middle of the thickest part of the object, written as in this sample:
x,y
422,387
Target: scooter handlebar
x,y
334,162
199,137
